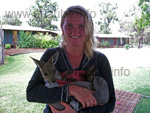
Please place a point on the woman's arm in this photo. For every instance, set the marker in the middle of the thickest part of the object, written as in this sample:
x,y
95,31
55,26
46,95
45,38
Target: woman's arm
x,y
83,95
38,92
104,69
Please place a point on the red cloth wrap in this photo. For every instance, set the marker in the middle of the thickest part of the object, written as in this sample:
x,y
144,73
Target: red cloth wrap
x,y
75,75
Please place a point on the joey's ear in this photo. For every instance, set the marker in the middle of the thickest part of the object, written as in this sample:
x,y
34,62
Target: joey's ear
x,y
40,64
54,58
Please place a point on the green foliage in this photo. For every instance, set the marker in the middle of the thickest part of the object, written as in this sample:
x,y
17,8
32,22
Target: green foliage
x,y
143,21
17,47
105,44
7,46
46,41
116,46
43,14
11,20
141,24
127,21
27,40
108,15
18,71
127,46
97,43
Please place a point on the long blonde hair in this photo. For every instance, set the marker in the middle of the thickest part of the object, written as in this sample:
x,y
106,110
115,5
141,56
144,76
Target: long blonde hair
x,y
89,42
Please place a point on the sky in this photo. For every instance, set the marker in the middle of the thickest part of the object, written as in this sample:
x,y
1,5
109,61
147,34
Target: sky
x,y
91,5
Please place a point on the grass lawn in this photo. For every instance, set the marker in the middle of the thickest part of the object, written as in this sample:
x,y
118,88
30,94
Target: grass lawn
x,y
14,77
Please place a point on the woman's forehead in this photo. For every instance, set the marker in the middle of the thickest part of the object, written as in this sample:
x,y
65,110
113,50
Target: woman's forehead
x,y
74,17
76,14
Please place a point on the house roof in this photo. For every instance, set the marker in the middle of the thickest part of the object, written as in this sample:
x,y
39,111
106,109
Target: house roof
x,y
26,28
112,36
30,28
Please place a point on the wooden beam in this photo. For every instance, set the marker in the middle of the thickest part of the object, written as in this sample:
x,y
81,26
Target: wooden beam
x,y
114,41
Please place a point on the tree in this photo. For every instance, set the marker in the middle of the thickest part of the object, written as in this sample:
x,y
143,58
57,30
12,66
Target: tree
x,y
11,20
143,22
43,14
127,22
145,14
107,15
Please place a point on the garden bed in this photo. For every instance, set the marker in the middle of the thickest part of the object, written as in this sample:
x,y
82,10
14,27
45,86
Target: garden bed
x,y
14,51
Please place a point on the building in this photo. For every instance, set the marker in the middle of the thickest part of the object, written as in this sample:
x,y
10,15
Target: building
x,y
113,39
11,33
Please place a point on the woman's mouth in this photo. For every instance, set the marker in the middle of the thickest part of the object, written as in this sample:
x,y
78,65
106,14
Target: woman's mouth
x,y
75,37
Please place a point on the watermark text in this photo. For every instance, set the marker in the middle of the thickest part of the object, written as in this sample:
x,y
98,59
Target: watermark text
x,y
27,14
120,72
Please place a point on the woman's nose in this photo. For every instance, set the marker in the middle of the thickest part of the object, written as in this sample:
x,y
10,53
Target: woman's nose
x,y
75,32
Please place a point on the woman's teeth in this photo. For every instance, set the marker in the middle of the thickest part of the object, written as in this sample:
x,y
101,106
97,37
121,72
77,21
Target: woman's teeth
x,y
75,37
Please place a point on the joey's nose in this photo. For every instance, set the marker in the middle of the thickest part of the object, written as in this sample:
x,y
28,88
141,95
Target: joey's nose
x,y
53,81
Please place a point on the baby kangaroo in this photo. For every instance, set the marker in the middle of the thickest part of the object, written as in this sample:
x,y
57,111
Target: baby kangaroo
x,y
48,70
96,83
50,75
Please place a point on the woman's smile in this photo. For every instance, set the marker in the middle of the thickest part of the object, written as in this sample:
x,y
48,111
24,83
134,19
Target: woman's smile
x,y
75,37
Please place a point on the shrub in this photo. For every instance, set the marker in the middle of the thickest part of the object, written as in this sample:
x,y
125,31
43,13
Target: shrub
x,y
97,43
46,41
27,40
116,46
7,46
126,46
102,45
105,44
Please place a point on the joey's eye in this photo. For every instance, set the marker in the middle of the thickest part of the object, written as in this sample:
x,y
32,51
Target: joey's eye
x,y
45,74
54,71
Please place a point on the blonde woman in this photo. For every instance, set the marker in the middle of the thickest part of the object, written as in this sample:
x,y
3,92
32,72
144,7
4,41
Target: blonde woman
x,y
76,53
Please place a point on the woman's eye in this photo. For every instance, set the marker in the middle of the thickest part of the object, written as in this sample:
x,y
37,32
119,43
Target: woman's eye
x,y
81,26
69,26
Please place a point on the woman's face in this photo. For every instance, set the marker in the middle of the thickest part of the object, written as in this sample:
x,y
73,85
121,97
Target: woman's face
x,y
74,30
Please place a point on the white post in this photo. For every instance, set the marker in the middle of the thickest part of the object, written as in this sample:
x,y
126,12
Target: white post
x,y
121,42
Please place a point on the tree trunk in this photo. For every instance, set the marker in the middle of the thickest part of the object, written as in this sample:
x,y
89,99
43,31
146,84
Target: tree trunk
x,y
1,46
139,42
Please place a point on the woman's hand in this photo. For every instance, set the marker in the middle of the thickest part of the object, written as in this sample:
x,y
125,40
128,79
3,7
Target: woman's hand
x,y
83,95
68,108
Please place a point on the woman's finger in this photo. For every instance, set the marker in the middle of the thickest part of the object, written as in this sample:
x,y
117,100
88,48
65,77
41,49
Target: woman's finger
x,y
67,109
64,103
54,110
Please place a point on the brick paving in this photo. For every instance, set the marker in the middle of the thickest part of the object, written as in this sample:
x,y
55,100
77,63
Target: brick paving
x,y
126,101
